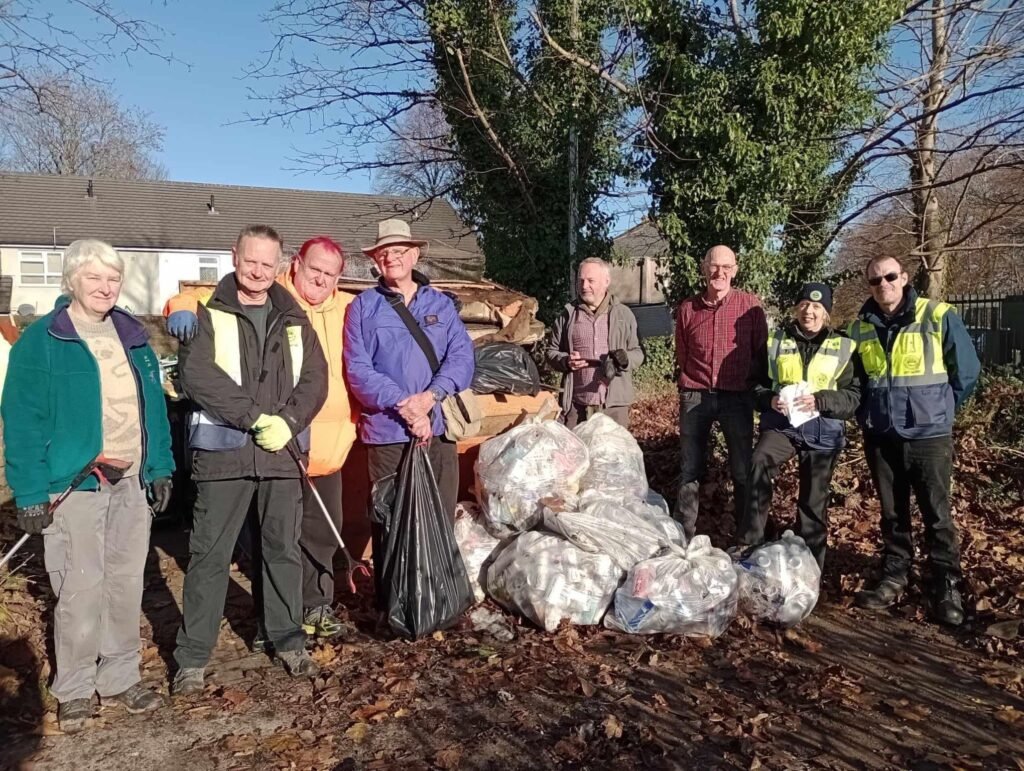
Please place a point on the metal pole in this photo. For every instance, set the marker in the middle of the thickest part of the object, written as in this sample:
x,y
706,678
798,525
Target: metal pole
x,y
574,36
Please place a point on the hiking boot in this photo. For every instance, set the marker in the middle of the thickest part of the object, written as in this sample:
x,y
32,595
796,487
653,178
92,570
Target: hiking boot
x,y
188,681
298,663
321,622
138,699
882,595
946,605
71,715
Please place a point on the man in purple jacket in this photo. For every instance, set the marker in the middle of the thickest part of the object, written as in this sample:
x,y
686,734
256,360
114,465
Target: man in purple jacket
x,y
388,372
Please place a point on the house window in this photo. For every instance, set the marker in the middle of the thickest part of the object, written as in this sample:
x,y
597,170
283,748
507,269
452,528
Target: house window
x,y
208,269
41,268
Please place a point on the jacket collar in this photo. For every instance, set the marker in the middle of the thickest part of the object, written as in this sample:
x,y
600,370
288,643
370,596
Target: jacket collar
x,y
871,313
420,279
129,329
225,298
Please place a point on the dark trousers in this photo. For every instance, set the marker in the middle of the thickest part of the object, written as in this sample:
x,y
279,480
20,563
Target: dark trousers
x,y
382,460
317,543
580,412
816,467
924,466
698,411
220,511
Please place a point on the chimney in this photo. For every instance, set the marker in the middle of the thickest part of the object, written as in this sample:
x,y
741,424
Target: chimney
x,y
90,191
210,206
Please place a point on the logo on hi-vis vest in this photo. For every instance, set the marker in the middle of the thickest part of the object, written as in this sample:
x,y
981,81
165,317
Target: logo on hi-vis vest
x,y
821,381
816,295
294,336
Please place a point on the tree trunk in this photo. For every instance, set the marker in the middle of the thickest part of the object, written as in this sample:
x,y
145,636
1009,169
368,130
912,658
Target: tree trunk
x,y
931,235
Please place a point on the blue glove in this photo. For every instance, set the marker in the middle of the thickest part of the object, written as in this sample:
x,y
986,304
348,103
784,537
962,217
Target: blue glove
x,y
183,325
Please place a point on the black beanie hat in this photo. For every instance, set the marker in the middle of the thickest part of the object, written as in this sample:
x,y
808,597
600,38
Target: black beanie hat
x,y
817,292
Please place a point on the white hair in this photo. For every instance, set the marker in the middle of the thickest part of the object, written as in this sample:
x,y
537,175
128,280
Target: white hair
x,y
596,261
84,251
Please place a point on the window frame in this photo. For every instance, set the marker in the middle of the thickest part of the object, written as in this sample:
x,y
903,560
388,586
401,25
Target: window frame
x,y
45,274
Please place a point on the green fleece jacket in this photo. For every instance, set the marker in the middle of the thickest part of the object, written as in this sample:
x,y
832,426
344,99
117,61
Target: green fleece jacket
x,y
53,419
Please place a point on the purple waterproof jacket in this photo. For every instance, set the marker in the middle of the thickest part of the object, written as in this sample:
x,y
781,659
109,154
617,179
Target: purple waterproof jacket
x,y
384,364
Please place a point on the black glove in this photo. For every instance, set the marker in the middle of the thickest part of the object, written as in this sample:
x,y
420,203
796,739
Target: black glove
x,y
32,519
160,492
621,359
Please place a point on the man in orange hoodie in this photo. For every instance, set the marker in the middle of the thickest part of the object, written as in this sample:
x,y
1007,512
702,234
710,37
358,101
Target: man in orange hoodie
x,y
312,280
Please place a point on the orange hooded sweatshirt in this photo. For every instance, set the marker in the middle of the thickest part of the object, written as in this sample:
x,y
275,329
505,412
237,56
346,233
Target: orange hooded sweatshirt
x,y
334,428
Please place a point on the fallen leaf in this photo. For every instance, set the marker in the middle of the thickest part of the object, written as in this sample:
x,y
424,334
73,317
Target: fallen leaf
x,y
449,757
234,697
1004,630
587,688
612,727
369,711
357,732
438,635
1008,715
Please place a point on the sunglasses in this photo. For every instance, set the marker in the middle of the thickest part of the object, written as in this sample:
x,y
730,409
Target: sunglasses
x,y
889,278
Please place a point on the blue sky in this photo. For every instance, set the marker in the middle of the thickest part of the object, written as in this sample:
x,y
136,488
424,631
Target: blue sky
x,y
199,104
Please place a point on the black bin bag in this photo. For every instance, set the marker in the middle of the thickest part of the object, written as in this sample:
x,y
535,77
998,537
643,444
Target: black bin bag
x,y
422,582
505,368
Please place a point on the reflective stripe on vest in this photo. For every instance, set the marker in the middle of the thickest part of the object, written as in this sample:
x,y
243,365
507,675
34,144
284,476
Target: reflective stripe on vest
x,y
786,366
916,354
228,355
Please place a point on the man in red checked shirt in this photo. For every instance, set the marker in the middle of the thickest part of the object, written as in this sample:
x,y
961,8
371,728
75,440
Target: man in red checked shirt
x,y
721,340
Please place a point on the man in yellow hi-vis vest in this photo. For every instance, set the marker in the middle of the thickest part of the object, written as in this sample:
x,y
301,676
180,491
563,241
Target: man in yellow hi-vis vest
x,y
257,373
917,365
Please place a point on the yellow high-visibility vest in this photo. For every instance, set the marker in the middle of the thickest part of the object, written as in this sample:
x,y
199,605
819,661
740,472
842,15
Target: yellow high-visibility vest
x,y
785,365
916,356
228,356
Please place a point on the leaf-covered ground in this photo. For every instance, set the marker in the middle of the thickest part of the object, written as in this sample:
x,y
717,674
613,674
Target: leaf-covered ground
x,y
845,690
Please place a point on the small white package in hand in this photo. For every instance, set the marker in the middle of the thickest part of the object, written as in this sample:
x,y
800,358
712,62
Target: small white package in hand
x,y
688,591
788,394
779,581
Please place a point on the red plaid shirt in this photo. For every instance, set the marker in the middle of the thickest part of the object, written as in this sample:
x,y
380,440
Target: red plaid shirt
x,y
721,346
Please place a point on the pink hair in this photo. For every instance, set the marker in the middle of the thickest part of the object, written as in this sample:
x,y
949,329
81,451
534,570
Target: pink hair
x,y
327,243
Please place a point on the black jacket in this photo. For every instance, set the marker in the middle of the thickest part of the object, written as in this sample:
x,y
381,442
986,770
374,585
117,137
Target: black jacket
x,y
835,405
266,385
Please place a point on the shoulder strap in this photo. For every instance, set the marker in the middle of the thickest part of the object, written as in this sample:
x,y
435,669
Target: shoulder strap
x,y
416,331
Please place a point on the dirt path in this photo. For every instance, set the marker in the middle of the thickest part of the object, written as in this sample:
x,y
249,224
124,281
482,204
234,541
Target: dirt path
x,y
848,690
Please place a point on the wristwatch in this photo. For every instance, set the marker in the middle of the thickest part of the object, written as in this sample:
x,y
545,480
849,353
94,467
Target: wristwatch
x,y
438,393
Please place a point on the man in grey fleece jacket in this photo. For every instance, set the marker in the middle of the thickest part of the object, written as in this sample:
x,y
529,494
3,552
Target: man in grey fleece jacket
x,y
594,343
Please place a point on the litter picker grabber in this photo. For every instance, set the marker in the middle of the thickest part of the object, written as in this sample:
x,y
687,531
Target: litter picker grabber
x,y
353,566
107,470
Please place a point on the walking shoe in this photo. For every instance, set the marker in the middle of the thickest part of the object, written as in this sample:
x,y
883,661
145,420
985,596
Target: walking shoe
x,y
298,663
882,595
946,605
188,681
138,699
71,715
321,622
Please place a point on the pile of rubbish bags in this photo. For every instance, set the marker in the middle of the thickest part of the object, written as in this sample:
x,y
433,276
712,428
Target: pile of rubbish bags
x,y
567,529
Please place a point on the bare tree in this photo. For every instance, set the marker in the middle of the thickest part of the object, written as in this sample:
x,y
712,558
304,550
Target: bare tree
x,y
951,114
65,127
41,40
419,160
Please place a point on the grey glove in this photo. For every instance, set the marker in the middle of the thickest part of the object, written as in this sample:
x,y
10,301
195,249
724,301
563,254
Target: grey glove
x,y
160,492
33,519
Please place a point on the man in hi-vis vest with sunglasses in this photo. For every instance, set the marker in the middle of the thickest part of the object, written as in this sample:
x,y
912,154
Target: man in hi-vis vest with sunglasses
x,y
257,374
917,365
